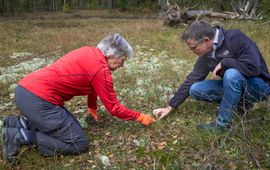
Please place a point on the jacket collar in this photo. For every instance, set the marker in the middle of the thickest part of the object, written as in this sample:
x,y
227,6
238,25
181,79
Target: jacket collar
x,y
101,56
220,36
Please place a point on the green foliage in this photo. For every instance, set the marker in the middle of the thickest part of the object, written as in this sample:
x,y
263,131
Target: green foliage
x,y
92,5
66,8
264,8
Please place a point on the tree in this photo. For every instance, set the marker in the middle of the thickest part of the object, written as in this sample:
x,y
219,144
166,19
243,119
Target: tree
x,y
34,6
110,4
66,6
245,7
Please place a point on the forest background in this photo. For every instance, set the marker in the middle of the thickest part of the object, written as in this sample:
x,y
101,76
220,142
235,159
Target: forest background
x,y
19,7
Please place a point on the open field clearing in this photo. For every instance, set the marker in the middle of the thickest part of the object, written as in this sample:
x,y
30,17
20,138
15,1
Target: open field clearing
x,y
148,80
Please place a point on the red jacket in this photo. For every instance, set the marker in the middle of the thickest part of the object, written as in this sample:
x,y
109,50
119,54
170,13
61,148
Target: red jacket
x,y
83,71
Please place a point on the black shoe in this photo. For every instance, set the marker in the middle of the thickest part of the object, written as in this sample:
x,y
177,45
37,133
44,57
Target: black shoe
x,y
15,121
212,127
11,142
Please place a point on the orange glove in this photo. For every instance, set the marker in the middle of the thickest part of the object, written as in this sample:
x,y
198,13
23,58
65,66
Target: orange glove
x,y
145,119
93,112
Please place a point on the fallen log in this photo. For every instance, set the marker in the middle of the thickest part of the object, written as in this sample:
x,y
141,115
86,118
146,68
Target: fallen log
x,y
175,15
225,15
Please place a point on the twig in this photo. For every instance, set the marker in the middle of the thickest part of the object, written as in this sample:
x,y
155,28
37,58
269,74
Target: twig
x,y
154,164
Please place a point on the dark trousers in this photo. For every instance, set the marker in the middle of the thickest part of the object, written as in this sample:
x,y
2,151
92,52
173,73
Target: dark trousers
x,y
56,130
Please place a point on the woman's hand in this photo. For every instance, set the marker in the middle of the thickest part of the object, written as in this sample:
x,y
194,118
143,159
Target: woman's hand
x,y
93,112
145,119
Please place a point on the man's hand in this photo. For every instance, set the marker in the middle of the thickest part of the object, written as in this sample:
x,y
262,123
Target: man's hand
x,y
145,119
216,70
162,112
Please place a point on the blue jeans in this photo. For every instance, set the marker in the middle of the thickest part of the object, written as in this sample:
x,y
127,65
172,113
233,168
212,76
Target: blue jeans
x,y
229,91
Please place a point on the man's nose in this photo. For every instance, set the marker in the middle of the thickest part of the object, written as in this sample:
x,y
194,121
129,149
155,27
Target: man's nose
x,y
192,50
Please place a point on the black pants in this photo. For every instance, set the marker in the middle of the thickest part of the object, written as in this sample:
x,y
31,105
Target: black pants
x,y
56,130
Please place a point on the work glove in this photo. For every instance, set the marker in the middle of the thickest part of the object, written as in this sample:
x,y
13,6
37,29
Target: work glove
x,y
145,119
93,112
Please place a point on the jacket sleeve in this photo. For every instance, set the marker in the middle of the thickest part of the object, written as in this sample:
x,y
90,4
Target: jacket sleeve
x,y
200,70
103,85
246,57
92,100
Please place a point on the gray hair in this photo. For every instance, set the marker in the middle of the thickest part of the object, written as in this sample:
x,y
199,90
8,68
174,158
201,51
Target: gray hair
x,y
115,45
198,30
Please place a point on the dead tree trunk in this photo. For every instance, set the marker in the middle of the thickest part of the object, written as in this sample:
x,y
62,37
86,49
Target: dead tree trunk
x,y
246,8
174,15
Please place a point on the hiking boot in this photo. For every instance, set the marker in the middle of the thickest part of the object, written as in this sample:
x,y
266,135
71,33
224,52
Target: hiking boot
x,y
11,142
212,127
15,121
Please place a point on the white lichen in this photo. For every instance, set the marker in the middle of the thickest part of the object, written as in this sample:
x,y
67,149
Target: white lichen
x,y
20,54
14,73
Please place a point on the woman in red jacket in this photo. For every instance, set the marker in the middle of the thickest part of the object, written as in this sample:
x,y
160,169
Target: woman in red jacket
x,y
40,97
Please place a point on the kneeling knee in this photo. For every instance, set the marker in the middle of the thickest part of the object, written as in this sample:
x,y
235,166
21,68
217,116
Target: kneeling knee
x,y
84,148
233,78
232,75
83,145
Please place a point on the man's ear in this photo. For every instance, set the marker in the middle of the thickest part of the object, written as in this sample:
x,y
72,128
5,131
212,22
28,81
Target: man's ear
x,y
206,39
